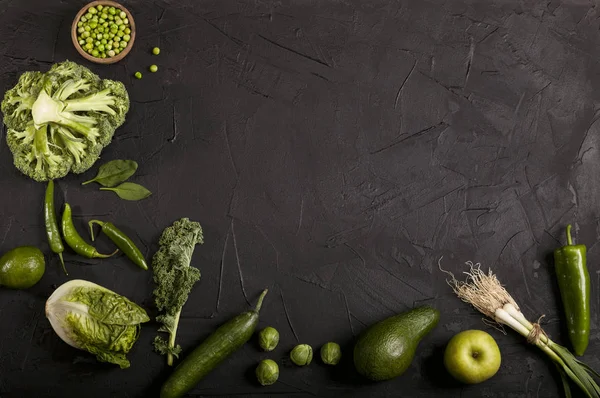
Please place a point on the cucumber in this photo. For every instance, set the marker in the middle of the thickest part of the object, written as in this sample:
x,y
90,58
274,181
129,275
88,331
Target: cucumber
x,y
223,342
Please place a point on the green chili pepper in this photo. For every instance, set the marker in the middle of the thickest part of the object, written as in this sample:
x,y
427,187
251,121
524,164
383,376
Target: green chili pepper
x,y
574,285
75,241
122,241
52,231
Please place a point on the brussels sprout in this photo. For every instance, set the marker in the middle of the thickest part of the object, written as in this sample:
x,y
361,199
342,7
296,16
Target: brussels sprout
x,y
302,354
331,353
268,338
267,372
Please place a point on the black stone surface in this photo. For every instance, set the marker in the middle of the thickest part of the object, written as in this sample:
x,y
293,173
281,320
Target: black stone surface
x,y
333,151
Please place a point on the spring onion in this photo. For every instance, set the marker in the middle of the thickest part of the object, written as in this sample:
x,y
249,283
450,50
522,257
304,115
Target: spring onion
x,y
486,293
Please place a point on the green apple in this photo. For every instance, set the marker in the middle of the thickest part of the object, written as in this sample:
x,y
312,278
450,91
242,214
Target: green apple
x,y
472,356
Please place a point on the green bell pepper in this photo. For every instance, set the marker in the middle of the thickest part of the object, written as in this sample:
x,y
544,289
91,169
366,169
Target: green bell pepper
x,y
574,285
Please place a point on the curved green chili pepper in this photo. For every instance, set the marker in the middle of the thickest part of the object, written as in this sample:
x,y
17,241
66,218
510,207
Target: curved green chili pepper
x,y
122,241
75,241
574,285
52,231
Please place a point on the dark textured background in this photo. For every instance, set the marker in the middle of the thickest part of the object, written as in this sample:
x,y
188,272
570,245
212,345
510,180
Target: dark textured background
x,y
333,151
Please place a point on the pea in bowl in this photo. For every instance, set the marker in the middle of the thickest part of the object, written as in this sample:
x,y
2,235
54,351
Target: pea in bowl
x,y
103,32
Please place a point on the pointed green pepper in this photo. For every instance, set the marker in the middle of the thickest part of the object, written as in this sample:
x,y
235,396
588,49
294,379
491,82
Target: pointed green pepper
x,y
574,285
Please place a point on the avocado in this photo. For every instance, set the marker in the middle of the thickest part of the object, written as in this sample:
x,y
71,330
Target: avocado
x,y
386,349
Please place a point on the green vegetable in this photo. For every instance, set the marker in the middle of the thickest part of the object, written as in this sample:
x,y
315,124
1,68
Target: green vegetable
x,y
138,75
59,121
302,354
574,285
22,267
331,353
92,318
386,349
174,278
268,338
75,241
129,191
52,232
485,292
122,241
114,172
156,51
267,372
223,342
97,24
153,68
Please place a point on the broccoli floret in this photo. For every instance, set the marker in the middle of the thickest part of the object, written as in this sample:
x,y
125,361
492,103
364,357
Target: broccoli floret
x,y
59,121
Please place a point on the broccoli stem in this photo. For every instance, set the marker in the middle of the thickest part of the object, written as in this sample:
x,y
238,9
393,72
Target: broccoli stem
x,y
172,335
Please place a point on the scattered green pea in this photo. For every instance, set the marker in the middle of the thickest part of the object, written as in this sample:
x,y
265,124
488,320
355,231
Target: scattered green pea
x,y
138,75
153,68
156,51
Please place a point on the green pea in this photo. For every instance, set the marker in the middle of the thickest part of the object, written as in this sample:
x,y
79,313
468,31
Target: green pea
x,y
138,75
153,68
85,34
100,29
99,36
88,16
118,21
120,33
101,47
80,30
108,47
122,15
93,25
87,28
156,51
101,20
95,18
112,10
105,25
123,44
122,27
117,50
82,20
104,15
127,31
81,42
105,36
111,17
97,43
126,21
99,7
92,10
95,53
89,40
111,35
111,53
126,37
80,24
104,41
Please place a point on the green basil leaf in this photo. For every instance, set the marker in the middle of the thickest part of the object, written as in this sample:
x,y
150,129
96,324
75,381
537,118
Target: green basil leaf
x,y
114,172
129,191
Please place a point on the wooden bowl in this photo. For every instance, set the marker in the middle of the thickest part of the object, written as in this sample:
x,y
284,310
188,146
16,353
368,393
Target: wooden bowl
x,y
89,57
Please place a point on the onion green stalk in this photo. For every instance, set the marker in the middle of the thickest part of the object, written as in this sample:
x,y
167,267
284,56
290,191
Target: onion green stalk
x,y
486,293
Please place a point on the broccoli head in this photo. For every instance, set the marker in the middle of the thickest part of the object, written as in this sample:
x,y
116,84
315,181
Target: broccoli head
x,y
59,121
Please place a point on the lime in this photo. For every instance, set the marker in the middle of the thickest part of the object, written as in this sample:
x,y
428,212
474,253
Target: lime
x,y
22,267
